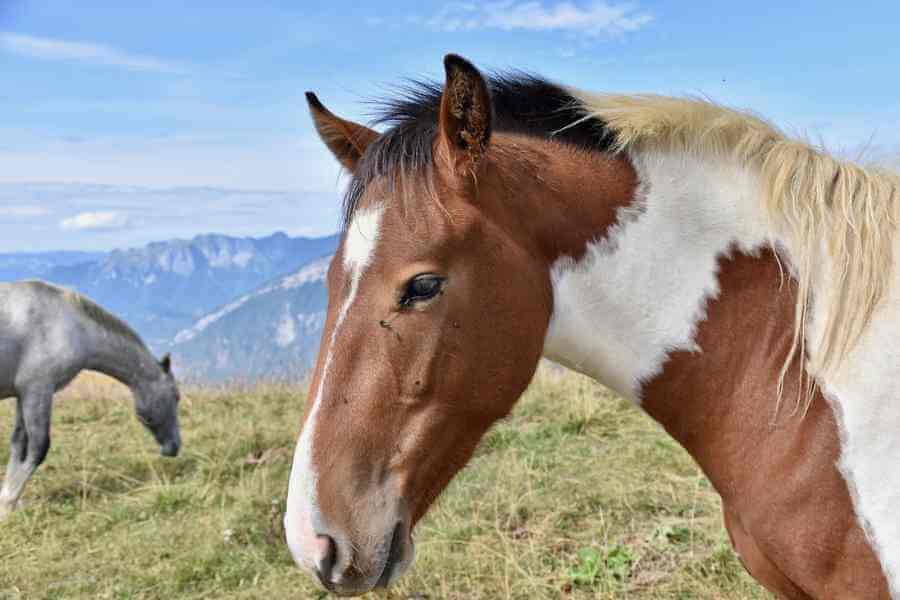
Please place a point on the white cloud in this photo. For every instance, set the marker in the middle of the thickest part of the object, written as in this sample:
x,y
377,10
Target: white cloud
x,y
594,19
23,211
95,221
99,54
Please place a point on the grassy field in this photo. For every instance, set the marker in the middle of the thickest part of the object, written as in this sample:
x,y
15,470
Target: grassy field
x,y
576,495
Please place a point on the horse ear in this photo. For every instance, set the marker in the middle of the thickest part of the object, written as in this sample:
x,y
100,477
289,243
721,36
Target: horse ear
x,y
346,140
166,363
466,112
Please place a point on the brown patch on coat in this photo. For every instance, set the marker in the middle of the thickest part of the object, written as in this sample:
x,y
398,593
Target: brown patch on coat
x,y
787,507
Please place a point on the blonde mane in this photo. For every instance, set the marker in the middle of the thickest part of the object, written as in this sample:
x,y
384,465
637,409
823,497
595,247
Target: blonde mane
x,y
813,201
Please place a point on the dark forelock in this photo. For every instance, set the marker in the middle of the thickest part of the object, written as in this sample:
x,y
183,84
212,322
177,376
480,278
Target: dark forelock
x,y
522,104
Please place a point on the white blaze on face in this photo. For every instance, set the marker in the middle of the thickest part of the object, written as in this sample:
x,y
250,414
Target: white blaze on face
x,y
301,515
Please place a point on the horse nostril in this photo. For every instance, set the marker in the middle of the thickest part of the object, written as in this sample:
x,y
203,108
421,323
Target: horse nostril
x,y
326,557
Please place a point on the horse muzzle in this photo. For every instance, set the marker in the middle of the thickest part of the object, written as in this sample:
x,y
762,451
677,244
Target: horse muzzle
x,y
344,571
170,447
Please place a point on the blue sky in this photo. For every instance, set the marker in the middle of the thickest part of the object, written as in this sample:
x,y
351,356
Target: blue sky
x,y
122,123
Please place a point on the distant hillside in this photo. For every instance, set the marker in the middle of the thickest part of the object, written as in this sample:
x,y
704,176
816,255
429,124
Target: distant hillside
x,y
273,331
165,287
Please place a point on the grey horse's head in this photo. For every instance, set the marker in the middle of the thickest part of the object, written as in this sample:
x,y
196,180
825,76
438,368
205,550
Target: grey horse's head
x,y
156,404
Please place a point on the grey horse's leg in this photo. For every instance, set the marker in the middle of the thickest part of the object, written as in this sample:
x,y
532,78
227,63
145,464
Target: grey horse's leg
x,y
30,443
17,449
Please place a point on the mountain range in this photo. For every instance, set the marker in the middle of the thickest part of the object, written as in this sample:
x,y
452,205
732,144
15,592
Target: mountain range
x,y
271,332
36,265
225,306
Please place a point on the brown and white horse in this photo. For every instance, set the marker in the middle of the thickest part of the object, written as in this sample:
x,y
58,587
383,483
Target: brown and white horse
x,y
686,255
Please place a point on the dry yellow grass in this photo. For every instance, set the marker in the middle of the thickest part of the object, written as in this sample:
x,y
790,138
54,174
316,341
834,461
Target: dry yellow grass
x,y
576,495
92,385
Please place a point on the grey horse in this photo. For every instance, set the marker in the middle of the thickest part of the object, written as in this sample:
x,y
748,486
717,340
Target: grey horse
x,y
47,336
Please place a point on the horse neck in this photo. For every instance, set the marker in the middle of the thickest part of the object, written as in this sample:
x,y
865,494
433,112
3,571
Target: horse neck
x,y
123,359
722,400
681,305
640,288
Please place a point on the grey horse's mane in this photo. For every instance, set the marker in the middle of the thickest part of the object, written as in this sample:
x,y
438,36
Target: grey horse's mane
x,y
94,312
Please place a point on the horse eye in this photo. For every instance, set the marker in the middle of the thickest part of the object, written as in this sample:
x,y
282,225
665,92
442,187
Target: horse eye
x,y
422,287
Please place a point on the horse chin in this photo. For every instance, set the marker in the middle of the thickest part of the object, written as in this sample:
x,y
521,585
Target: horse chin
x,y
400,553
169,440
399,557
395,569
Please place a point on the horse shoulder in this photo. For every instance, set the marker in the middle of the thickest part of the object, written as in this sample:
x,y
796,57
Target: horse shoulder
x,y
801,536
44,342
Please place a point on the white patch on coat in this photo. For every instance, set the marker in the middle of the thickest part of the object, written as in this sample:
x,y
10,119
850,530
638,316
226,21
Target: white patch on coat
x,y
866,391
638,295
301,514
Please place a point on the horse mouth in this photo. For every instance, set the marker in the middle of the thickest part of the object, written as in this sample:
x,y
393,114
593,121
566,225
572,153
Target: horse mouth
x,y
394,557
